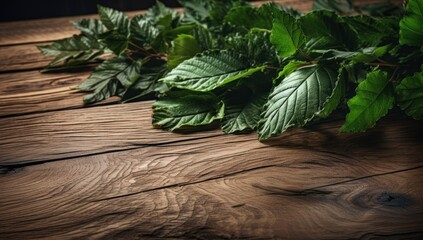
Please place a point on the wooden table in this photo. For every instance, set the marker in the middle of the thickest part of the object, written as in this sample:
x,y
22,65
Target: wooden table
x,y
74,172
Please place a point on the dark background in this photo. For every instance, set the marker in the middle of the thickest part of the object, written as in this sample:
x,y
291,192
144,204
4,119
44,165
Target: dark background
x,y
33,9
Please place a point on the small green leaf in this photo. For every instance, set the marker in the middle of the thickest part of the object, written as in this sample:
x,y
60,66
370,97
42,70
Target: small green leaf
x,y
339,6
89,27
185,108
255,46
411,25
337,95
160,13
203,37
371,31
297,99
243,106
286,35
410,95
210,70
249,17
72,51
115,41
143,32
113,19
147,85
373,100
183,47
109,79
291,67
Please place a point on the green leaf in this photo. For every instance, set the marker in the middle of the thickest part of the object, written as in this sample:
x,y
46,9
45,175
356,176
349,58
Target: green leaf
x,y
325,30
242,110
243,105
411,25
297,99
113,19
371,31
185,108
291,67
196,10
368,54
255,46
183,47
249,17
143,32
110,79
72,51
287,35
410,95
382,9
89,27
115,41
374,97
159,13
210,70
339,6
337,94
147,85
203,37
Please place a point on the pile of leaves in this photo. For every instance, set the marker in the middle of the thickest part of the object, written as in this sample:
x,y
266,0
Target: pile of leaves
x,y
267,68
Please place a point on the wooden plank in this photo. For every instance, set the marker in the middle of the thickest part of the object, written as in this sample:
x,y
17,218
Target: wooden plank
x,y
66,134
32,91
22,57
309,184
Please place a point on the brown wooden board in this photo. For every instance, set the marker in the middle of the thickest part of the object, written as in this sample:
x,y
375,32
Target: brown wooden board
x,y
311,183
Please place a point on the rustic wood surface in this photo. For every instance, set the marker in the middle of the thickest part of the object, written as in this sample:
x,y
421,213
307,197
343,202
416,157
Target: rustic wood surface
x,y
103,172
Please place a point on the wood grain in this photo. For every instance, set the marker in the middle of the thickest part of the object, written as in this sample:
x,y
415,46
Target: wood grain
x,y
72,133
22,57
32,91
312,183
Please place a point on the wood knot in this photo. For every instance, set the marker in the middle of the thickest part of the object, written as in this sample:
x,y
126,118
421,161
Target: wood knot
x,y
393,200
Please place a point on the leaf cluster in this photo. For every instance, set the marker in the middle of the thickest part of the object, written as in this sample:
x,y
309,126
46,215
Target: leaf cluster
x,y
264,69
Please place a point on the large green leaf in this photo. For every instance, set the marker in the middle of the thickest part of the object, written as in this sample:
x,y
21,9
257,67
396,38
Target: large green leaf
x,y
410,95
325,30
287,35
374,97
411,26
297,99
183,47
72,51
110,79
210,70
186,108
